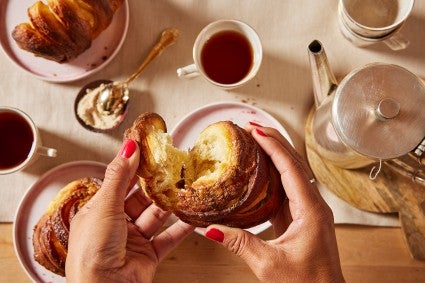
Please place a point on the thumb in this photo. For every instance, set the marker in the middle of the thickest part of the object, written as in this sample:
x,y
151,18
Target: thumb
x,y
119,174
240,242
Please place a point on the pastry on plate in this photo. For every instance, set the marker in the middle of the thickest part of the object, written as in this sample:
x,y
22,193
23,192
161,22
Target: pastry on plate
x,y
63,29
50,238
225,178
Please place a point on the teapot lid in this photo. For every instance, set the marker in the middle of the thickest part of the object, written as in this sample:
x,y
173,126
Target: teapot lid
x,y
379,111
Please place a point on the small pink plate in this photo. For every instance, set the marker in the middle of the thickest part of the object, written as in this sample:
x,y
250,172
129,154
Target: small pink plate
x,y
103,49
188,129
33,205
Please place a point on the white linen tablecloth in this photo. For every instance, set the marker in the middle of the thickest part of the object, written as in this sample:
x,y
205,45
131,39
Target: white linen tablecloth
x,y
282,87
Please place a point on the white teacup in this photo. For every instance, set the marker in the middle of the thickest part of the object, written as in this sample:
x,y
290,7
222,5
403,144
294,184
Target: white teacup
x,y
365,22
235,64
20,142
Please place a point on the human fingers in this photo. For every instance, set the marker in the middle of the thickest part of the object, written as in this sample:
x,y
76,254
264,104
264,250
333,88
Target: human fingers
x,y
295,174
151,220
253,250
136,203
282,219
272,132
132,184
118,177
170,238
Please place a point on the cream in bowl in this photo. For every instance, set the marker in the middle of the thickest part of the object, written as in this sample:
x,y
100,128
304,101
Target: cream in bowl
x,y
90,115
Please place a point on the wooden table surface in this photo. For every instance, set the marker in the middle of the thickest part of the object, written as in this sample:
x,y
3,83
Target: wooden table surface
x,y
282,87
368,254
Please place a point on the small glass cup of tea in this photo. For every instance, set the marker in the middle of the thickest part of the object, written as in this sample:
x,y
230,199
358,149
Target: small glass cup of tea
x,y
227,53
20,142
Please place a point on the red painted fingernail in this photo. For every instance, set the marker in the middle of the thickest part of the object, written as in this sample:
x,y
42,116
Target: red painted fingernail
x,y
261,133
215,234
255,124
128,148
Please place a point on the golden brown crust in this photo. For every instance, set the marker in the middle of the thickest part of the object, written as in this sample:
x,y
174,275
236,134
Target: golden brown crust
x,y
51,233
142,126
63,29
226,178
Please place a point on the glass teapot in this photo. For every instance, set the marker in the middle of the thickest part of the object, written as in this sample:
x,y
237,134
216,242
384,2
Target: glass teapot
x,y
375,114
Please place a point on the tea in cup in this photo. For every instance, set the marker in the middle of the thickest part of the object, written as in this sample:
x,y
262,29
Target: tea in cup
x,y
227,53
20,142
364,22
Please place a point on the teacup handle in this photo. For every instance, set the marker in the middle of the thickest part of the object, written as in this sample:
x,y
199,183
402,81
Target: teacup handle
x,y
47,151
397,42
188,71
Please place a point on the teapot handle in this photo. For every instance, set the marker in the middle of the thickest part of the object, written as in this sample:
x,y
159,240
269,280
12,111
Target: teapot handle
x,y
419,151
408,166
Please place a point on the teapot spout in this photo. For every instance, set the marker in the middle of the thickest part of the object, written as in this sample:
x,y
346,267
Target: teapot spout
x,y
324,82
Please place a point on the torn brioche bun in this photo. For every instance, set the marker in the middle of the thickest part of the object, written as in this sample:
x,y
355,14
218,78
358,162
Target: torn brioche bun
x,y
225,178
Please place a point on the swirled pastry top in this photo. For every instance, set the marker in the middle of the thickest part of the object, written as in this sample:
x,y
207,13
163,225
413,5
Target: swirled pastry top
x,y
224,178
63,29
51,233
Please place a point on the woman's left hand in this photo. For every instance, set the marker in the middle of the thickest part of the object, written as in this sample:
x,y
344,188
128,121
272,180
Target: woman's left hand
x,y
104,246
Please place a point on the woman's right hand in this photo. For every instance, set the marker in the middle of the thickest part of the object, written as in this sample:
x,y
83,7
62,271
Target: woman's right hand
x,y
305,248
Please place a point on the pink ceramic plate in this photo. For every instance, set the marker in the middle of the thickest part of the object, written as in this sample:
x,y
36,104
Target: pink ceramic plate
x,y
34,204
103,49
187,130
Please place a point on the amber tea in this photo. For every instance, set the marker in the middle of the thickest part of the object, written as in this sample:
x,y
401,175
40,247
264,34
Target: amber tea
x,y
16,140
226,53
227,57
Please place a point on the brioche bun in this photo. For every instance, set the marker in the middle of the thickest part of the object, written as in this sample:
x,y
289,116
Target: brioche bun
x,y
225,178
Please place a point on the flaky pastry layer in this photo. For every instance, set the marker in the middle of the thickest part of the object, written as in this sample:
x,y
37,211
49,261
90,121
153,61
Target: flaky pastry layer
x,y
51,233
63,29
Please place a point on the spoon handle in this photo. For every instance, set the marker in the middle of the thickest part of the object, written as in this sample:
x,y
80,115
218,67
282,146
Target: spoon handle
x,y
168,37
